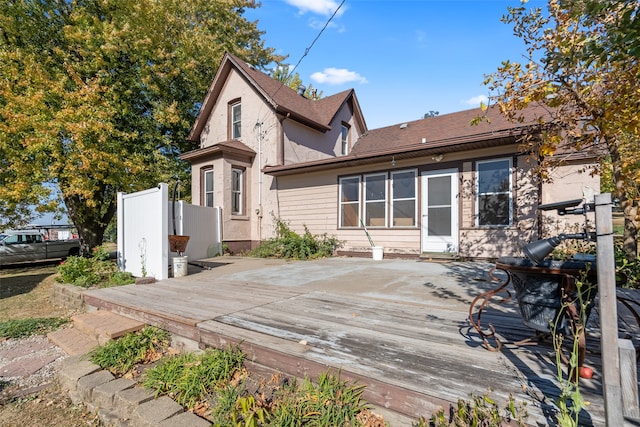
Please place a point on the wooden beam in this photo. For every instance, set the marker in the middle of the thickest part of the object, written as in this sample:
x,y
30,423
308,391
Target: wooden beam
x,y
608,312
629,379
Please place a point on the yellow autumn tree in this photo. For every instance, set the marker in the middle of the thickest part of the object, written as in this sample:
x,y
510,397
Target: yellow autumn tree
x,y
98,96
582,64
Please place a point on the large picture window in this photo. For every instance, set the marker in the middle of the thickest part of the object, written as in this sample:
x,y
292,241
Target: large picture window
x,y
375,200
369,196
350,202
403,198
208,188
237,176
493,204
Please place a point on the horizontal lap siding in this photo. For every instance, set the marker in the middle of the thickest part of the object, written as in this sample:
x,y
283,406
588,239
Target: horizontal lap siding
x,y
309,200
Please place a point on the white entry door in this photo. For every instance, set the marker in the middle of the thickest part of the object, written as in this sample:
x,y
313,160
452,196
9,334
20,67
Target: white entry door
x,y
440,211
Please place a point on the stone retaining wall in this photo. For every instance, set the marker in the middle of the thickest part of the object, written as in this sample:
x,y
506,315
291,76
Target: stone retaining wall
x,y
70,296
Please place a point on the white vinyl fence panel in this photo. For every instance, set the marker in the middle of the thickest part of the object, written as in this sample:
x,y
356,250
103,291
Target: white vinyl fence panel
x,y
145,220
201,224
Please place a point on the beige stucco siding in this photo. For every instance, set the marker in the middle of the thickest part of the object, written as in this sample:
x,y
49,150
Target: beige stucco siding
x,y
254,110
303,144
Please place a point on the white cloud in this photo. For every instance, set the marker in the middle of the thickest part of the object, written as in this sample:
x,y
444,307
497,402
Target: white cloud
x,y
476,100
336,76
318,24
320,7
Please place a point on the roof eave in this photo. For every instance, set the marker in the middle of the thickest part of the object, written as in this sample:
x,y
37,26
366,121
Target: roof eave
x,y
213,150
418,150
301,119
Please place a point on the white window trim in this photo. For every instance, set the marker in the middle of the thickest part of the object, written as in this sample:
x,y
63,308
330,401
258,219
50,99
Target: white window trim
x,y
341,203
414,198
239,191
510,193
385,200
233,121
204,187
344,140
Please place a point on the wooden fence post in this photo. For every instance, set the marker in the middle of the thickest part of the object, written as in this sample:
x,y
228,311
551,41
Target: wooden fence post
x,y
608,312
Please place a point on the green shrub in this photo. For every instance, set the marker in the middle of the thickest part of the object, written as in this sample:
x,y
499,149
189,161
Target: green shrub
x,y
27,327
289,245
223,411
121,355
97,270
329,402
120,278
478,411
188,378
628,272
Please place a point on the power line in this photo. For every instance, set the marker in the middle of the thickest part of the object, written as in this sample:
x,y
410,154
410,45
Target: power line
x,y
306,51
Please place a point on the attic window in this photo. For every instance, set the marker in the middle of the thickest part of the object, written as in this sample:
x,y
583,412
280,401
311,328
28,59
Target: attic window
x,y
404,125
235,119
344,139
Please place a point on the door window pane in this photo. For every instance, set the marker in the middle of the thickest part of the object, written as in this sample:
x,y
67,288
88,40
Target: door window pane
x,y
439,221
440,191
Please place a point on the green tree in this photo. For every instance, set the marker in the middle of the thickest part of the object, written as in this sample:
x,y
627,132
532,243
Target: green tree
x,y
582,68
282,73
98,96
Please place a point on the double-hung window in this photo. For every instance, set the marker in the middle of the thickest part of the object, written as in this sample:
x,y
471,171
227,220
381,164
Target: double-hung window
x,y
344,140
236,191
403,198
236,121
350,201
208,187
375,200
494,195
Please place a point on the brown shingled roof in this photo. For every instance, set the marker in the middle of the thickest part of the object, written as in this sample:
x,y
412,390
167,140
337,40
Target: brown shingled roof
x,y
446,130
432,135
316,114
224,147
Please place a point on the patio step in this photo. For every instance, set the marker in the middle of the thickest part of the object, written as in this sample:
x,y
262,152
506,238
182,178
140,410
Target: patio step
x,y
104,325
92,329
72,341
439,256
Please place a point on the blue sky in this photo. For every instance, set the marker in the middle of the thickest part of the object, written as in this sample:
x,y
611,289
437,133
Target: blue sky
x,y
404,58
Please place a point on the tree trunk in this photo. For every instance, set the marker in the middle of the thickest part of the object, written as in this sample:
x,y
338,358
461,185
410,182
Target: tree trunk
x,y
91,222
628,205
630,237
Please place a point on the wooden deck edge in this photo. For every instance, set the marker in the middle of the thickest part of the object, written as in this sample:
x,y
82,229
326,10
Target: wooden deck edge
x,y
178,325
392,397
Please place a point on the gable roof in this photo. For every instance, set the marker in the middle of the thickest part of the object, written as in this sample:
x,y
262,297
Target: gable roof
x,y
316,114
430,136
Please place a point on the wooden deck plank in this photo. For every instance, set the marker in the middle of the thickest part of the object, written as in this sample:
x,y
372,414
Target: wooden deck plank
x,y
189,303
